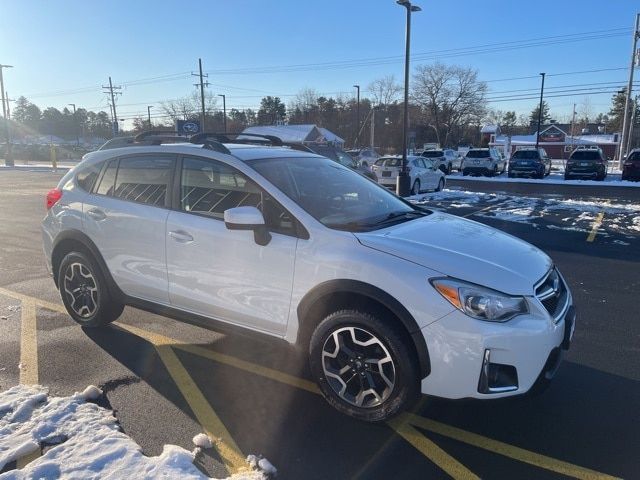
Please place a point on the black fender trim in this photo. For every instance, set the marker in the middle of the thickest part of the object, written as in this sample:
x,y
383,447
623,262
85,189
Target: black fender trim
x,y
377,295
77,237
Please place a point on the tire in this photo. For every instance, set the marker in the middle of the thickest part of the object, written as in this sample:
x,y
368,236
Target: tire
x,y
449,169
504,168
93,305
494,172
395,383
567,177
440,186
465,173
415,190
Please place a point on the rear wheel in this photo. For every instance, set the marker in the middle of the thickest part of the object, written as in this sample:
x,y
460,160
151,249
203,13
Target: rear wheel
x,y
84,291
415,190
440,185
465,173
363,365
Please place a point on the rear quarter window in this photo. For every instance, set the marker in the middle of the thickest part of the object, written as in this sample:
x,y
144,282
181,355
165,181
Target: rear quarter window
x,y
86,176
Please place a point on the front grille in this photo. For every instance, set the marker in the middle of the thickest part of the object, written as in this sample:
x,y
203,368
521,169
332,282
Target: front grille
x,y
553,294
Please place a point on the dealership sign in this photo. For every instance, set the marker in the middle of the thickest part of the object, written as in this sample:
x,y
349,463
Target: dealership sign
x,y
188,127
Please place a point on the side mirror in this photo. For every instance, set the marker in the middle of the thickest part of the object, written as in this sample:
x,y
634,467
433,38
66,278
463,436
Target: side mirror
x,y
248,218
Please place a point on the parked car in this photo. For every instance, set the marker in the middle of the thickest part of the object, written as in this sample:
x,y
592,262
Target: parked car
x,y
530,163
424,173
483,161
446,160
364,156
586,163
390,299
337,155
631,166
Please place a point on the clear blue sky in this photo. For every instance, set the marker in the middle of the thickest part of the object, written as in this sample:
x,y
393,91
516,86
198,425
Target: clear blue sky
x,y
73,46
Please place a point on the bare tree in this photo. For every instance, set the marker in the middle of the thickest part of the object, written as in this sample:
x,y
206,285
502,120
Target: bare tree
x,y
189,107
385,90
449,97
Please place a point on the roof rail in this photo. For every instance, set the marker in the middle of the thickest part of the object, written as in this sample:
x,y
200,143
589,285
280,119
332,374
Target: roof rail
x,y
157,133
224,138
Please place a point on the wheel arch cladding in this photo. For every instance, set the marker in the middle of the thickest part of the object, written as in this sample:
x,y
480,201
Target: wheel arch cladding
x,y
76,241
335,295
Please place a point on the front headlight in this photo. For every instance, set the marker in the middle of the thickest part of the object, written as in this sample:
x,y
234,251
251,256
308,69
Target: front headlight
x,y
480,302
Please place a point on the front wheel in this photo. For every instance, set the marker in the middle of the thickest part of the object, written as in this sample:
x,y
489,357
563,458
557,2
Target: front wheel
x,y
415,190
84,291
363,365
440,186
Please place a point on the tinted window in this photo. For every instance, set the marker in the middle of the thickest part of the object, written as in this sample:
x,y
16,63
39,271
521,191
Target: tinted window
x,y
336,196
478,154
525,155
87,176
144,179
432,153
108,179
634,157
392,162
209,188
585,155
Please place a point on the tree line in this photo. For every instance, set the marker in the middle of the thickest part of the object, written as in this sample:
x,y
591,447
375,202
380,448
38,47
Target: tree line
x,y
448,105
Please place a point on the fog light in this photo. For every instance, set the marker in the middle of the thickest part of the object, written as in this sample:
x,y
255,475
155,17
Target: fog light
x,y
496,377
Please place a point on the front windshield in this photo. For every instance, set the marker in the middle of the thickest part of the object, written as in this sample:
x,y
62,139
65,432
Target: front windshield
x,y
334,195
345,159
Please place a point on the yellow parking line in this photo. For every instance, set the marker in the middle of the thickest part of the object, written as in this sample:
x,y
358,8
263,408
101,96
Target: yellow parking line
x,y
404,424
28,344
225,359
223,442
478,211
430,450
506,450
596,225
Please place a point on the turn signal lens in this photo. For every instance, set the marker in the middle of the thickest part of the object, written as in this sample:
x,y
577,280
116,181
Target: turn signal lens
x,y
450,293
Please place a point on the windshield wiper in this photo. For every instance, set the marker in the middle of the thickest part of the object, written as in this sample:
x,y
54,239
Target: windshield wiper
x,y
394,216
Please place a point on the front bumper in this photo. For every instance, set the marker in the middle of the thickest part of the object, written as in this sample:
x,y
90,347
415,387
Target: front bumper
x,y
475,359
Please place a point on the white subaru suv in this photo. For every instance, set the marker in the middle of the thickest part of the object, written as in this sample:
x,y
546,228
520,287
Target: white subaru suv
x,y
388,298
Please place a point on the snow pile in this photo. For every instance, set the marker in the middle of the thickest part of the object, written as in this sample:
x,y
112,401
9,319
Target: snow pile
x,y
86,443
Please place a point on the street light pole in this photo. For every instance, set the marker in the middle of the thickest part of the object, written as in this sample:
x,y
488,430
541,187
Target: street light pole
x,y
8,160
75,121
403,182
540,111
149,107
224,111
357,87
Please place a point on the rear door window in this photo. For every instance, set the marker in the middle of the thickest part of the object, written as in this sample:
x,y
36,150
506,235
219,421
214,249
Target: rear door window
x,y
144,179
86,176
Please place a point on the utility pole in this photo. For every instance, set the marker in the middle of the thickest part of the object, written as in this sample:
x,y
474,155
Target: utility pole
x,y
6,94
627,100
75,123
403,180
110,90
202,84
8,160
149,107
355,140
224,111
540,111
573,123
631,124
373,126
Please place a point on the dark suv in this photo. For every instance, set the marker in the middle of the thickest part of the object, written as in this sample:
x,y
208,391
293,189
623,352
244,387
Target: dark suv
x,y
631,166
530,163
586,163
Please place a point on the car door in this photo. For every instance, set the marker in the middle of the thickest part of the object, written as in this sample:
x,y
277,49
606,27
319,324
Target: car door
x,y
222,273
125,217
431,176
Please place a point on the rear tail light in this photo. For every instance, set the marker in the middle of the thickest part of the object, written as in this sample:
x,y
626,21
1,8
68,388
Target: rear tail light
x,y
53,196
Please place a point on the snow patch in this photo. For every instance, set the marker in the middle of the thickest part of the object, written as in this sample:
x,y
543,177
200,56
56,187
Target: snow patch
x,y
87,441
202,441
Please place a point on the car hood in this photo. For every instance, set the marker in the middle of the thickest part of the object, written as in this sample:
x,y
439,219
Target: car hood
x,y
464,249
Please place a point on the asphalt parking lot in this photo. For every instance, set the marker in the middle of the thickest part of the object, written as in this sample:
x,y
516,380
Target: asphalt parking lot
x,y
168,381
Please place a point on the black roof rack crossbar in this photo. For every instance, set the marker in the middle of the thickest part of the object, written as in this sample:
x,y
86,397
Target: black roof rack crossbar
x,y
215,146
158,133
224,138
